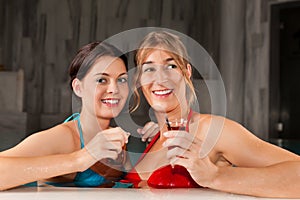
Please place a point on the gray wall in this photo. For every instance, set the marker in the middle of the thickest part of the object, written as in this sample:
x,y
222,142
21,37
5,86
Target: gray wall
x,y
40,37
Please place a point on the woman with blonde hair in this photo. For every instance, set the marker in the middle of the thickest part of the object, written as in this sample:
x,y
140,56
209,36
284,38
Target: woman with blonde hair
x,y
239,162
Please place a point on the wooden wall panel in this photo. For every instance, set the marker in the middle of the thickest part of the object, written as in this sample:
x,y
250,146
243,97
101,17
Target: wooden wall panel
x,y
256,97
42,36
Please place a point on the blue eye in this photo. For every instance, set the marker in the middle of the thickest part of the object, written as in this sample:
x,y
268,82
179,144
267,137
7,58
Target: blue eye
x,y
101,80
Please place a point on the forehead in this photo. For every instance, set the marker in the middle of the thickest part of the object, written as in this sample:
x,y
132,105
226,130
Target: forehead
x,y
109,65
158,55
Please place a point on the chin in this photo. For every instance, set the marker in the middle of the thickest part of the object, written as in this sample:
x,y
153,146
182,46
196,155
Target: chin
x,y
159,107
108,113
114,113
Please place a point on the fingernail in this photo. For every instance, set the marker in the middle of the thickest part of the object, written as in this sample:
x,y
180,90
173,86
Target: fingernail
x,y
166,134
149,140
164,144
143,140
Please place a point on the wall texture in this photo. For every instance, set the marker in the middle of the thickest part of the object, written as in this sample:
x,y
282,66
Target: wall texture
x,y
42,36
257,65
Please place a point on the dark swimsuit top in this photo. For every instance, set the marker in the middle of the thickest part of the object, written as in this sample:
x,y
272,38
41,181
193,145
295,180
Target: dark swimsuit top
x,y
165,171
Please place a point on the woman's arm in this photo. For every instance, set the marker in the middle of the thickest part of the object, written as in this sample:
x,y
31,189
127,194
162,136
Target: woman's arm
x,y
281,180
15,171
277,180
60,139
262,169
53,153
244,149
40,156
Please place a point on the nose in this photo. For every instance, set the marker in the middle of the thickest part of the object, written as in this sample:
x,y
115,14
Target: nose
x,y
112,88
161,76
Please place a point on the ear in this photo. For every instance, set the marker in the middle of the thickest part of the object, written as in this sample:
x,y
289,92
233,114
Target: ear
x,y
76,85
189,70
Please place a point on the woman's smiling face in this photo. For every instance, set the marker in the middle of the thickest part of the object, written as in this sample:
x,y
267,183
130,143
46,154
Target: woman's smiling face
x,y
162,81
105,87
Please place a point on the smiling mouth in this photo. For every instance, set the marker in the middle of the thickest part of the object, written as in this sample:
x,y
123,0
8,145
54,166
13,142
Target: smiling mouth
x,y
111,102
162,92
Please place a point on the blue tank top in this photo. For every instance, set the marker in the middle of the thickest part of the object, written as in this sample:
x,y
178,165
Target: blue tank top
x,y
88,178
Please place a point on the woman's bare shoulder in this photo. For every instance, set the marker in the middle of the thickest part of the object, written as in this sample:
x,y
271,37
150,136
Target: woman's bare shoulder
x,y
209,123
56,140
211,126
206,120
68,134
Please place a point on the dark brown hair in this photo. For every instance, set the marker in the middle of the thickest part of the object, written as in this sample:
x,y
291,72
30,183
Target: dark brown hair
x,y
88,54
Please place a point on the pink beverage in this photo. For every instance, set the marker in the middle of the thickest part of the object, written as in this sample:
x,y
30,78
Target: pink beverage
x,y
177,124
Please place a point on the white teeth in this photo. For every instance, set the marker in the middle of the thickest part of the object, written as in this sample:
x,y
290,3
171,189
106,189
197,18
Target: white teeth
x,y
162,92
111,101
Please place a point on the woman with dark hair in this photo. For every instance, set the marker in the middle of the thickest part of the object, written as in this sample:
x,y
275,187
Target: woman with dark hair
x,y
85,150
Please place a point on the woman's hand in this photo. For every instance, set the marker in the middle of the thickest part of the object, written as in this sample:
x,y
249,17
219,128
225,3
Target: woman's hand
x,y
184,149
107,144
148,131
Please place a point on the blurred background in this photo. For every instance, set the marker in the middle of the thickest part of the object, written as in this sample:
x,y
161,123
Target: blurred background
x,y
254,43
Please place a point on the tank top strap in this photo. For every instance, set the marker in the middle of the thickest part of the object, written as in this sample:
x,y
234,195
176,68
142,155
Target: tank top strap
x,y
76,116
80,133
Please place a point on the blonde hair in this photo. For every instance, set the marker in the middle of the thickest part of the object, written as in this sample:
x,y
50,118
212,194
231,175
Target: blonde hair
x,y
174,46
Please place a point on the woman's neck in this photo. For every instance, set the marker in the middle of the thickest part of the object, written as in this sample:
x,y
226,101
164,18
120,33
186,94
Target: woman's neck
x,y
91,125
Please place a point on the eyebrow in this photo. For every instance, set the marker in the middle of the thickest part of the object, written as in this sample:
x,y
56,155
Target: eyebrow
x,y
105,74
150,62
